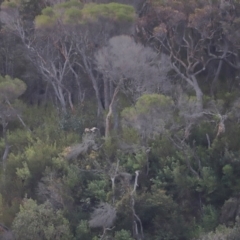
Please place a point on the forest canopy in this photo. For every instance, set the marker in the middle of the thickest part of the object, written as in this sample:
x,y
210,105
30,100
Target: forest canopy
x,y
119,119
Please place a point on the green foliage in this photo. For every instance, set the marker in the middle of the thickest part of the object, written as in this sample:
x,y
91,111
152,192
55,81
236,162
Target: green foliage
x,y
116,11
43,21
73,177
69,4
199,132
123,235
73,16
221,233
229,178
48,11
83,231
155,215
184,177
70,122
208,183
39,153
47,116
69,12
110,146
227,170
97,189
31,163
150,116
40,222
49,126
47,19
147,102
23,173
209,220
130,135
11,88
167,173
72,12
10,4
133,162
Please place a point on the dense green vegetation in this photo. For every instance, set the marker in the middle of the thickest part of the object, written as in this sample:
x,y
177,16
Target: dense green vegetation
x,y
120,119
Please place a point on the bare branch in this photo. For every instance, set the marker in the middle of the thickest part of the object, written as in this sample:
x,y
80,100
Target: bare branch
x,y
136,218
109,115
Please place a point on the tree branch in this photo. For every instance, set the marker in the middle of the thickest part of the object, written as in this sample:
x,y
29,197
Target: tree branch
x,y
134,212
110,111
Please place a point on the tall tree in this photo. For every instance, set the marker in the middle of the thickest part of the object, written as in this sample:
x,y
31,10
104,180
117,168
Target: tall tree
x,y
100,22
76,31
146,75
196,36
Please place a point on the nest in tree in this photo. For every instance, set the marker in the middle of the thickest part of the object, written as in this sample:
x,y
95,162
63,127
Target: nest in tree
x,y
88,143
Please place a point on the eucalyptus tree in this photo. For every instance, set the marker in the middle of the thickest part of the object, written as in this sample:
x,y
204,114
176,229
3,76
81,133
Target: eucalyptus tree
x,y
201,38
64,39
48,51
90,28
131,68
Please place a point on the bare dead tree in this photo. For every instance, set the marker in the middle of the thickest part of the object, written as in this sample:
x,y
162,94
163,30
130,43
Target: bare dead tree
x,y
52,57
137,223
87,39
113,175
52,54
146,75
118,65
11,18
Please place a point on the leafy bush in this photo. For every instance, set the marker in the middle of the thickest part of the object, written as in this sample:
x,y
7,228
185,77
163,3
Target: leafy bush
x,y
40,222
